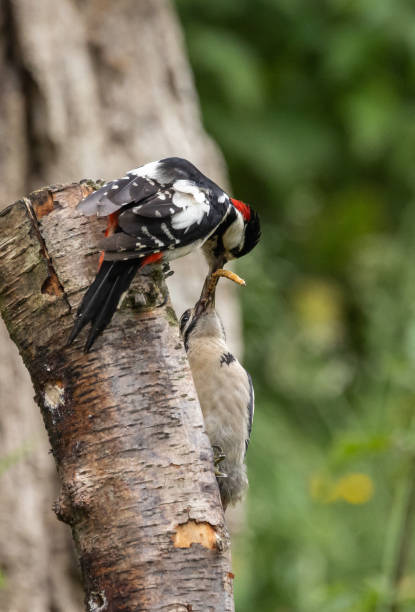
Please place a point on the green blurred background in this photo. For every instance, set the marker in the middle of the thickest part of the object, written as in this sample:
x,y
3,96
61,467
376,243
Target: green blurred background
x,y
313,105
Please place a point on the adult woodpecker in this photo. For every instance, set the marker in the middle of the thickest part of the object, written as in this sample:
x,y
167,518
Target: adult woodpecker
x,y
224,389
158,212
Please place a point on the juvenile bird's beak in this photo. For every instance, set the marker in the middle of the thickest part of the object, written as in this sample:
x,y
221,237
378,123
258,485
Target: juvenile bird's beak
x,y
206,301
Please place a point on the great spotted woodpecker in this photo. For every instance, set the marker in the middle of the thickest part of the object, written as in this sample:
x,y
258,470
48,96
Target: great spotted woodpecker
x,y
158,212
224,390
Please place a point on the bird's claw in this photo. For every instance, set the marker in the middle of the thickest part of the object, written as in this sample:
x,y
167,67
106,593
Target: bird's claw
x,y
220,474
218,454
218,457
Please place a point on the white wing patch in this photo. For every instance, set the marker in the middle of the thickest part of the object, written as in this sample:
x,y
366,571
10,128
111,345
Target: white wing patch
x,y
183,200
150,170
193,202
184,186
189,216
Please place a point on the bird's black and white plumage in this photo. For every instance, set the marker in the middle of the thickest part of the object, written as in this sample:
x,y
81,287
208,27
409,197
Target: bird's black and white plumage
x,y
158,212
224,389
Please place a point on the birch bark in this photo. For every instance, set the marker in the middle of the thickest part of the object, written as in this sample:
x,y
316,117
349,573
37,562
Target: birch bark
x,y
124,423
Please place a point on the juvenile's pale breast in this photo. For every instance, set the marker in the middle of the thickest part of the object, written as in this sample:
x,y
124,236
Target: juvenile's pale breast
x,y
223,389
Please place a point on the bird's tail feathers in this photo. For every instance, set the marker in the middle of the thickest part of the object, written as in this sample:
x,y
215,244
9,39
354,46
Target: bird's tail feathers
x,y
102,298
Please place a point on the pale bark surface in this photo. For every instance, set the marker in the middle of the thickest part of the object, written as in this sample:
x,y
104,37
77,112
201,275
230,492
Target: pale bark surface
x,y
124,423
88,89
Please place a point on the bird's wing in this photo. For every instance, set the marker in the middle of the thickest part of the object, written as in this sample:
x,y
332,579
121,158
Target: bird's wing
x,y
119,193
174,216
251,410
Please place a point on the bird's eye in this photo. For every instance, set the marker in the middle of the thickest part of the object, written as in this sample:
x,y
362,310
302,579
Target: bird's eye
x,y
184,319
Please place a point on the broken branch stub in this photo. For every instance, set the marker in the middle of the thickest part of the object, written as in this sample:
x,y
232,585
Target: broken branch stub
x,y
125,426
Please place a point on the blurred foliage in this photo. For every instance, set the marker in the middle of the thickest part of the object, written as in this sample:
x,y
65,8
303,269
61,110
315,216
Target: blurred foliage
x,y
313,105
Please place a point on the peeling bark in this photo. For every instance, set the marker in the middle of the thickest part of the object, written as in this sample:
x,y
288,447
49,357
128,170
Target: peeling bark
x,y
126,430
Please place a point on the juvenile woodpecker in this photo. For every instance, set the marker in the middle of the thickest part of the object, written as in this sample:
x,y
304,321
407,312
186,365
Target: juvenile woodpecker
x,y
158,212
224,389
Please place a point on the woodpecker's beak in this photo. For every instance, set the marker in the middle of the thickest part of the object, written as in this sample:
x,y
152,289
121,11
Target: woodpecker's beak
x,y
206,301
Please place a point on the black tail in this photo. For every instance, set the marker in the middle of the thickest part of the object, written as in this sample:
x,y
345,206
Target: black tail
x,y
101,300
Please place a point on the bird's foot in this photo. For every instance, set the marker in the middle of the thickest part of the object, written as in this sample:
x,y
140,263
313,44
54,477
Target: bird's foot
x,y
218,457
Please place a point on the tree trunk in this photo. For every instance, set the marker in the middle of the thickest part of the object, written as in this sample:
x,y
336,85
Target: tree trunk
x,y
88,89
124,423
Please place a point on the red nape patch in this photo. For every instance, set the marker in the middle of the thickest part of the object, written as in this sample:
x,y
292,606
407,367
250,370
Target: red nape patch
x,y
151,259
243,208
112,224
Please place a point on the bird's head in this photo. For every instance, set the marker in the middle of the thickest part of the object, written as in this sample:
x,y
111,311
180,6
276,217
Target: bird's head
x,y
202,321
251,229
235,237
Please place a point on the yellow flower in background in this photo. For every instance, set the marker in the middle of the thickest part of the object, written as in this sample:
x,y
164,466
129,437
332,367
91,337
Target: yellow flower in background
x,y
354,488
